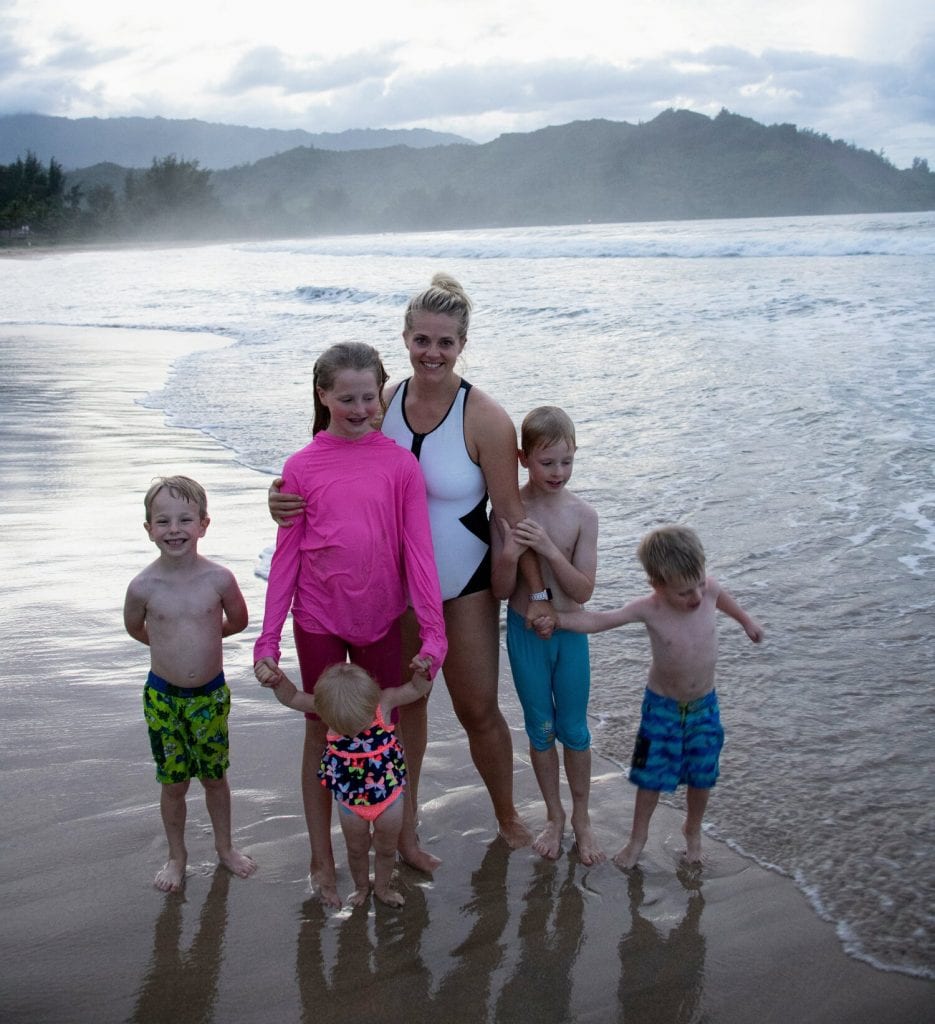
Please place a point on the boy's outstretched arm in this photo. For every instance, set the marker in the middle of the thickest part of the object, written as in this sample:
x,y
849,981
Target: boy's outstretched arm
x,y
727,605
597,622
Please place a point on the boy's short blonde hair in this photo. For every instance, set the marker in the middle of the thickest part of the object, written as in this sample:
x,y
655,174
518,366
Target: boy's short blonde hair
x,y
346,698
178,487
672,554
544,426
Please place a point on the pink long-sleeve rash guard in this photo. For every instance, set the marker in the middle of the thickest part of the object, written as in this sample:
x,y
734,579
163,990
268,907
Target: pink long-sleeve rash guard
x,y
362,551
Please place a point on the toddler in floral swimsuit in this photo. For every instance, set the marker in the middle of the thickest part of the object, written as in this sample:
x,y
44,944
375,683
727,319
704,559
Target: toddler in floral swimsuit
x,y
362,765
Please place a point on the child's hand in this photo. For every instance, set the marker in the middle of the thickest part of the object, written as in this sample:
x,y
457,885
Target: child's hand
x,y
268,673
531,535
420,675
755,631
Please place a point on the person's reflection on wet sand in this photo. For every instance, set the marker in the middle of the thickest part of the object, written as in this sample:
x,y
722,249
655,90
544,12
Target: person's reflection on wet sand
x,y
464,992
349,965
183,984
551,935
662,975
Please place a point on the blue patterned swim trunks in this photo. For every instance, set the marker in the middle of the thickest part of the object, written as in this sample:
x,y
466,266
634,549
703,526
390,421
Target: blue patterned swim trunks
x,y
678,743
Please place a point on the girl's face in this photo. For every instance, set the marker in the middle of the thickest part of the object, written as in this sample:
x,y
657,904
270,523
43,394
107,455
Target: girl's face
x,y
353,402
433,344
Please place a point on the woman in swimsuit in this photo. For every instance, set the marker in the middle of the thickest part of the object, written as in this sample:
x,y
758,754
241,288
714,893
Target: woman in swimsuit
x,y
466,446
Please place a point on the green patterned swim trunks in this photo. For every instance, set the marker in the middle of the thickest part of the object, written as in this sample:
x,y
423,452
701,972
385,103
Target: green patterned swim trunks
x,y
187,729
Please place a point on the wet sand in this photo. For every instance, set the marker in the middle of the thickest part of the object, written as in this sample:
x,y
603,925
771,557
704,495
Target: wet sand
x,y
493,936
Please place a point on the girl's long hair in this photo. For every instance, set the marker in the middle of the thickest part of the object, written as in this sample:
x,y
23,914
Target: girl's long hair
x,y
346,355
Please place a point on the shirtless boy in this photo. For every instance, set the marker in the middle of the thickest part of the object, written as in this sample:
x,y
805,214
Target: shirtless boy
x,y
552,675
680,735
182,606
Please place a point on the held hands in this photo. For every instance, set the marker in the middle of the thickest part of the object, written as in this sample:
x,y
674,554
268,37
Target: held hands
x,y
268,673
420,675
284,508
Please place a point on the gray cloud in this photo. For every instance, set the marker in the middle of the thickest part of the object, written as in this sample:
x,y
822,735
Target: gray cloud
x,y
267,67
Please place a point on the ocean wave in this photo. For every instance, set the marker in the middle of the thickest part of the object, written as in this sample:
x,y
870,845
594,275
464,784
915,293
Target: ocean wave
x,y
832,236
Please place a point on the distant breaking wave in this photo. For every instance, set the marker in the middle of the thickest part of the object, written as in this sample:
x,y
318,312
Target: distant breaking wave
x,y
832,236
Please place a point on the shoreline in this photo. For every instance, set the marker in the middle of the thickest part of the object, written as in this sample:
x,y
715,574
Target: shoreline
x,y
493,936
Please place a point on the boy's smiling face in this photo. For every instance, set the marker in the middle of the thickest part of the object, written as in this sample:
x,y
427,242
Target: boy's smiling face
x,y
174,525
550,466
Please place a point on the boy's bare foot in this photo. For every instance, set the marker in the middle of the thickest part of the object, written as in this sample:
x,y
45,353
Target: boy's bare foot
x,y
391,897
171,876
358,897
515,833
240,864
692,846
548,843
416,857
589,850
630,854
325,887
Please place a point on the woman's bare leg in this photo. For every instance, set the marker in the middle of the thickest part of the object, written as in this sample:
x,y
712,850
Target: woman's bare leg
x,y
317,802
471,673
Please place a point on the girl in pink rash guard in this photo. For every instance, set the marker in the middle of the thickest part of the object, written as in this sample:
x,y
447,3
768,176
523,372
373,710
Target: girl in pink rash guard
x,y
360,554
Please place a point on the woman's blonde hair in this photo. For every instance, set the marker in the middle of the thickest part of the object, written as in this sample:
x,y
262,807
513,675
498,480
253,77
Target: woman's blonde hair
x,y
346,698
444,296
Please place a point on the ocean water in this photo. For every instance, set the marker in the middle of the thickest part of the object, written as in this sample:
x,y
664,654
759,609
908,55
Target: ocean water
x,y
769,382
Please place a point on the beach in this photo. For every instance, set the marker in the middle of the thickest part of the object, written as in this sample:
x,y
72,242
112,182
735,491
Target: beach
x,y
493,936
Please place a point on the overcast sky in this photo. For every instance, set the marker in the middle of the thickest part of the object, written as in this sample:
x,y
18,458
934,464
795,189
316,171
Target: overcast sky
x,y
860,70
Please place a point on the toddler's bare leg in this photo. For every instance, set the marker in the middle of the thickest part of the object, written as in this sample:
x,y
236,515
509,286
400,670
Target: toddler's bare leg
x,y
317,802
578,773
173,809
357,839
385,838
548,843
218,802
697,802
646,800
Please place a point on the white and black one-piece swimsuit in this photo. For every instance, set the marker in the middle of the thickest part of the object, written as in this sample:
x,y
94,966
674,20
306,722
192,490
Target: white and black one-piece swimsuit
x,y
457,494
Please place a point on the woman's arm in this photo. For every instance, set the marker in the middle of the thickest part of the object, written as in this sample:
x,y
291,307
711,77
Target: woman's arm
x,y
284,508
505,554
491,440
